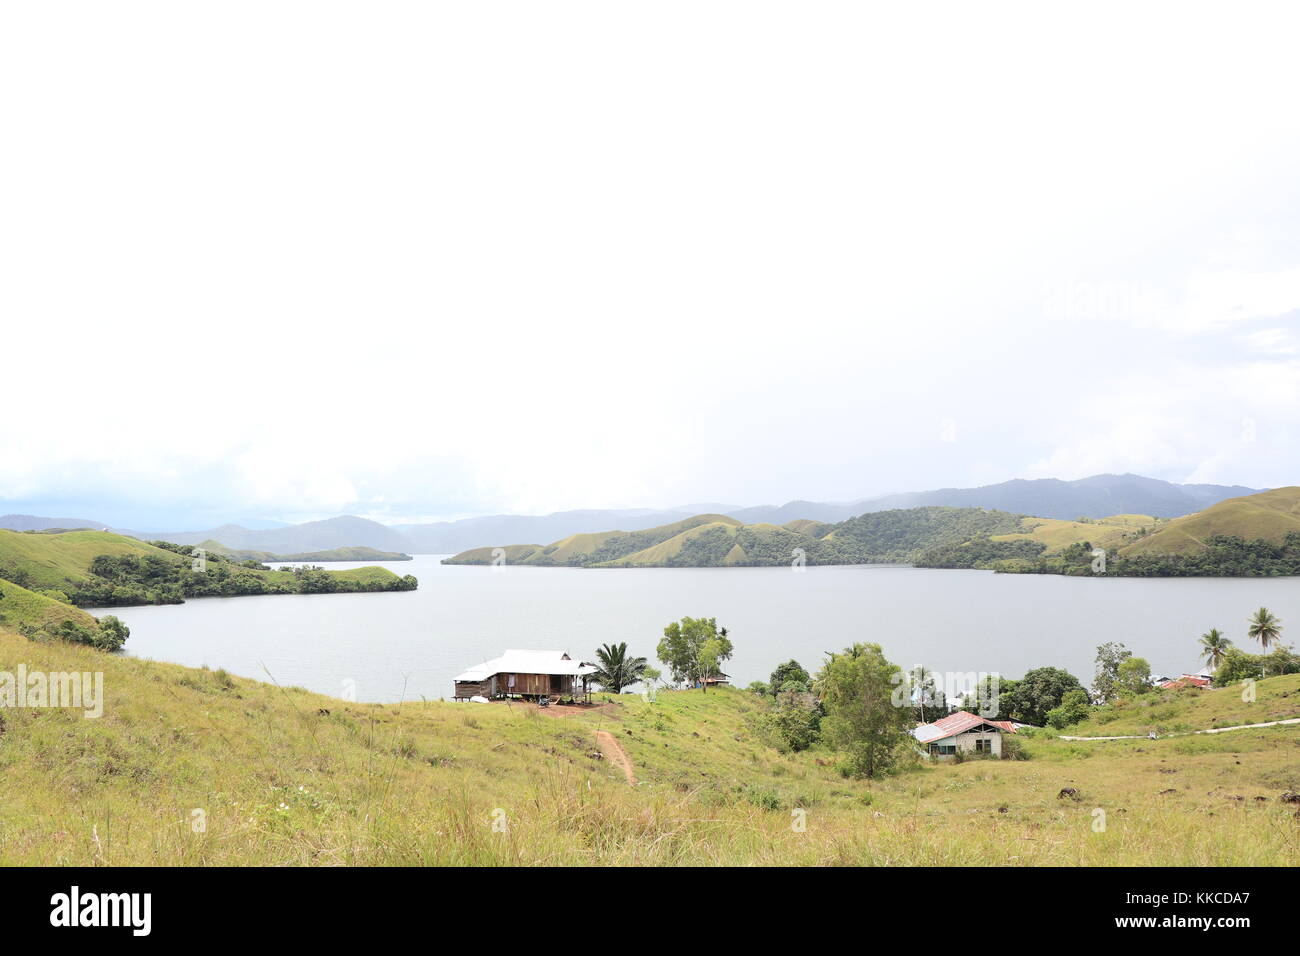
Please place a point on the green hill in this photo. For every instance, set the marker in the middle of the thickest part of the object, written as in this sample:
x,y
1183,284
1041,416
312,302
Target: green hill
x,y
719,541
19,606
1255,535
281,776
62,560
102,569
1267,516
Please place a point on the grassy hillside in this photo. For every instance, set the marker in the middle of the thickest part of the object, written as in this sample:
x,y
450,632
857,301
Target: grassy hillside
x,y
1182,711
60,560
20,606
99,568
1056,535
718,541
283,776
1254,536
1267,516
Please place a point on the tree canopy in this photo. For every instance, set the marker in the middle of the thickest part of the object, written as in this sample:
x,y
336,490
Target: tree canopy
x,y
694,648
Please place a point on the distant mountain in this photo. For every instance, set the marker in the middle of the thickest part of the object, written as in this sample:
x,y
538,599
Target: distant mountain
x,y
795,510
1094,497
37,523
343,532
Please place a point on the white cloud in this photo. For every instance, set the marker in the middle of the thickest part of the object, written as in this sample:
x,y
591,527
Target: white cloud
x,y
292,260
1232,423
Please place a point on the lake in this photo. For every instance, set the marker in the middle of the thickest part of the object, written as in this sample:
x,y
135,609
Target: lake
x,y
412,644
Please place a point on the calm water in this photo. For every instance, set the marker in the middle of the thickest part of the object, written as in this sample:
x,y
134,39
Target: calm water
x,y
414,643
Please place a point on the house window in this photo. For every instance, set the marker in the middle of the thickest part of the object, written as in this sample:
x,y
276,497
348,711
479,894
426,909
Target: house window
x,y
982,745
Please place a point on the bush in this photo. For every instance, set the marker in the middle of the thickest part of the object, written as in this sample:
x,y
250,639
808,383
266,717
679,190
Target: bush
x,y
765,798
1073,709
112,634
794,725
1238,665
1013,748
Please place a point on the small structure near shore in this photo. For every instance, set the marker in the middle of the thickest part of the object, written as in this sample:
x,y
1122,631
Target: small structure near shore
x,y
963,732
527,674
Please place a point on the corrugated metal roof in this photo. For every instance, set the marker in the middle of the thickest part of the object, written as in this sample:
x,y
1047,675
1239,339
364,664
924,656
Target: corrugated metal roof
x,y
957,723
1187,680
527,662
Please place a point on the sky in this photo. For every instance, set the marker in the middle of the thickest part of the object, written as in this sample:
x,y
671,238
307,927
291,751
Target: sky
x,y
415,261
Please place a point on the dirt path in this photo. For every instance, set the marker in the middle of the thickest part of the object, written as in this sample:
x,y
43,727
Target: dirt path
x,y
1212,730
615,754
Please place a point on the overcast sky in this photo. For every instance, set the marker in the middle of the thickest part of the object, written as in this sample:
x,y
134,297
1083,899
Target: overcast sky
x,y
288,260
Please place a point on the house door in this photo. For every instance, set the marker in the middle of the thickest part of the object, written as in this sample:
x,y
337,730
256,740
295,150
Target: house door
x,y
557,684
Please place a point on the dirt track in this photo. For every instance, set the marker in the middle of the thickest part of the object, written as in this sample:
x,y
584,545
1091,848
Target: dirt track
x,y
615,754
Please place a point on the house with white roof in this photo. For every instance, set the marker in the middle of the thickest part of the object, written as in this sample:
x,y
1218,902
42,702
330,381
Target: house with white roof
x,y
526,674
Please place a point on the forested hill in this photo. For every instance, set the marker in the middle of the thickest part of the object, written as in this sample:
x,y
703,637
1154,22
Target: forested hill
x,y
719,541
102,569
1251,536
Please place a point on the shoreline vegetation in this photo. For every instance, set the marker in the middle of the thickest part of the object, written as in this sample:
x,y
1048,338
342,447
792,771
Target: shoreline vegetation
x,y
1254,536
47,579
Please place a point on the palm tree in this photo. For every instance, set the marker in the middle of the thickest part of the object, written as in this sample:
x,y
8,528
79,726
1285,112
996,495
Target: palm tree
x,y
616,669
1265,628
1213,647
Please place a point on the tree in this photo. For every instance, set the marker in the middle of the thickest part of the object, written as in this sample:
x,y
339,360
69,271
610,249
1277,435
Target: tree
x,y
992,698
1109,656
795,722
616,670
856,689
1134,677
1039,691
1213,646
1265,628
791,670
112,633
694,648
1073,708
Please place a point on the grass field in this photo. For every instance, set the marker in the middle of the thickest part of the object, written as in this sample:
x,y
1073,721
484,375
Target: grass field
x,y
283,776
1181,711
1109,533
